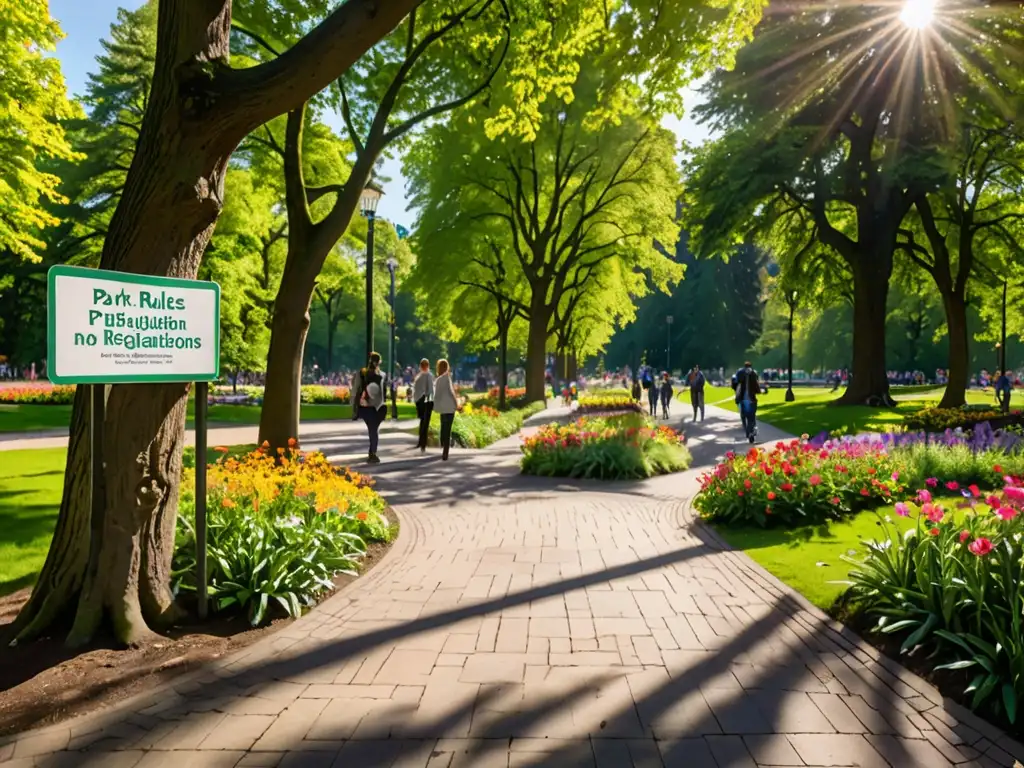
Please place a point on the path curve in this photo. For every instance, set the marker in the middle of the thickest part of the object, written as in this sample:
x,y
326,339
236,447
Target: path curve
x,y
528,622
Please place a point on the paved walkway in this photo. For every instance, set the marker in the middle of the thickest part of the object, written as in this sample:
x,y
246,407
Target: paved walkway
x,y
523,622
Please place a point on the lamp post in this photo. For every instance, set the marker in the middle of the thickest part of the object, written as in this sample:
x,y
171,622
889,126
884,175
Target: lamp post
x,y
1002,357
372,194
791,300
668,344
392,264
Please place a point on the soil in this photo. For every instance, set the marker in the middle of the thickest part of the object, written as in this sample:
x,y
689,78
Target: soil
x,y
45,682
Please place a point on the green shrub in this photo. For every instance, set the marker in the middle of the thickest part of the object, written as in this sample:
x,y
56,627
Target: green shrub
x,y
612,448
952,588
480,426
277,531
321,395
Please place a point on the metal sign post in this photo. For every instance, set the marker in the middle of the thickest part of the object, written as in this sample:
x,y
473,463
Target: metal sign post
x,y
107,327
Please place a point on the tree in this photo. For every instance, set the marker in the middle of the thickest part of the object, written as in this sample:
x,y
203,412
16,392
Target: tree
x,y
33,101
842,138
565,203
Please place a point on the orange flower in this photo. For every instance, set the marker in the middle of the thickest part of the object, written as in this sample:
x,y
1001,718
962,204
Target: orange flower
x,y
280,451
221,449
361,516
292,442
228,503
266,444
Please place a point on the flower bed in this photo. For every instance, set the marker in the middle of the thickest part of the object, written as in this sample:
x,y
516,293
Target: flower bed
x,y
316,393
618,447
278,530
803,481
951,589
940,419
477,426
37,394
510,393
603,403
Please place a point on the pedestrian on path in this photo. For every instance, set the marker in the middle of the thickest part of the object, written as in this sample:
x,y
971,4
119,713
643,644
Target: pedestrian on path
x,y
368,402
423,396
747,389
652,395
697,382
635,391
666,394
445,403
1004,391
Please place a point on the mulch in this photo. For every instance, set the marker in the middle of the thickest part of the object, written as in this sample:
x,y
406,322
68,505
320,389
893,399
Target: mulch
x,y
44,682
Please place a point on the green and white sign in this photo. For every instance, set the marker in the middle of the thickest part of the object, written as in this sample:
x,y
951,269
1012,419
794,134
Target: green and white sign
x,y
108,327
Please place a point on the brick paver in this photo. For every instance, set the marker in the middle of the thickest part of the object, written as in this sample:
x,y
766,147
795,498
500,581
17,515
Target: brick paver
x,y
529,622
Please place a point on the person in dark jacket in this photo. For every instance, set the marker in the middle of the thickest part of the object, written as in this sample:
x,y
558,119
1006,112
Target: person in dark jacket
x,y
747,389
636,390
423,396
697,382
368,402
666,394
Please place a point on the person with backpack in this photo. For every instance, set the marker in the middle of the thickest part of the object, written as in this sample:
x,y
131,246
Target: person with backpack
x,y
652,393
747,389
697,382
423,396
446,403
368,402
666,394
1004,391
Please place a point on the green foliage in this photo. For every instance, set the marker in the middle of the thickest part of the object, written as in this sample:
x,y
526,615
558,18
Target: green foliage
x,y
941,419
33,101
622,447
480,426
277,533
951,589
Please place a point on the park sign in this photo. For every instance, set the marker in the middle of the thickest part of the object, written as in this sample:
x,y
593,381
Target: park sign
x,y
108,327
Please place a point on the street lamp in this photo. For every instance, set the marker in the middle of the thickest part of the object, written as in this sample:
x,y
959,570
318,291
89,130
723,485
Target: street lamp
x,y
668,345
392,264
372,194
791,300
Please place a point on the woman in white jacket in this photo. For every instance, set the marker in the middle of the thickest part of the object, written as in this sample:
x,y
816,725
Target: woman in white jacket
x,y
445,404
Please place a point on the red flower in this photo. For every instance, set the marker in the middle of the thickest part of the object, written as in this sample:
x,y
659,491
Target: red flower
x,y
771,495
992,500
997,468
786,487
964,536
739,493
934,531
865,492
933,512
835,499
980,547
1006,513
975,490
768,470
746,484
872,470
814,480
953,485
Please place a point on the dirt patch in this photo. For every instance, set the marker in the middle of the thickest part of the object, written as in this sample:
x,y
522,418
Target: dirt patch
x,y
45,682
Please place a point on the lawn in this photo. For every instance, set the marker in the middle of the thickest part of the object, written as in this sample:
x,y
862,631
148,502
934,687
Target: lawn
x,y
809,558
813,412
34,418
31,483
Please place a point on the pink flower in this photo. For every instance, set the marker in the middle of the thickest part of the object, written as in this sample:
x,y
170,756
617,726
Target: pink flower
x,y
814,479
895,477
835,499
1015,493
932,482
992,500
953,485
933,512
980,547
923,496
1006,513
902,509
964,536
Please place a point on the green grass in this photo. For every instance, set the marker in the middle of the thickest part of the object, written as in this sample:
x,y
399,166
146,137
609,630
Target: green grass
x,y
813,412
35,418
809,558
30,488
31,483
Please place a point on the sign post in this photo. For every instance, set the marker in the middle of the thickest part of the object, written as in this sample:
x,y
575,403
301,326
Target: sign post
x,y
107,327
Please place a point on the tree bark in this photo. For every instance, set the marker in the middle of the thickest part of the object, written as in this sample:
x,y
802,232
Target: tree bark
x,y
197,112
537,348
279,418
955,395
502,367
869,384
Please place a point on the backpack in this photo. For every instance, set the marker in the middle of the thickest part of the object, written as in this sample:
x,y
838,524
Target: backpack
x,y
646,381
371,389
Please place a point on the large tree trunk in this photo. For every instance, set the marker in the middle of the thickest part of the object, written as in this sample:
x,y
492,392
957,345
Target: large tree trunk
x,y
959,350
869,384
162,224
198,110
537,350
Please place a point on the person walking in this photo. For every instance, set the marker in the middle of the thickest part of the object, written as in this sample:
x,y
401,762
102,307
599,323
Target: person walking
x,y
1004,391
635,391
445,403
423,396
747,389
652,395
666,394
697,382
368,402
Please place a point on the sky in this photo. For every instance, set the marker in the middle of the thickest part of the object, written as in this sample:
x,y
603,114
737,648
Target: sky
x,y
86,22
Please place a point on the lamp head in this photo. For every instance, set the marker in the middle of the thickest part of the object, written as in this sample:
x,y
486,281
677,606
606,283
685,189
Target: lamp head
x,y
372,193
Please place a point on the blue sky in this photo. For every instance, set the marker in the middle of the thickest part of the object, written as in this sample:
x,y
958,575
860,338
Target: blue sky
x,y
85,22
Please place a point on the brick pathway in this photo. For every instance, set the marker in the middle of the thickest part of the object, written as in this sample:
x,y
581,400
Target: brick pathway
x,y
522,622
